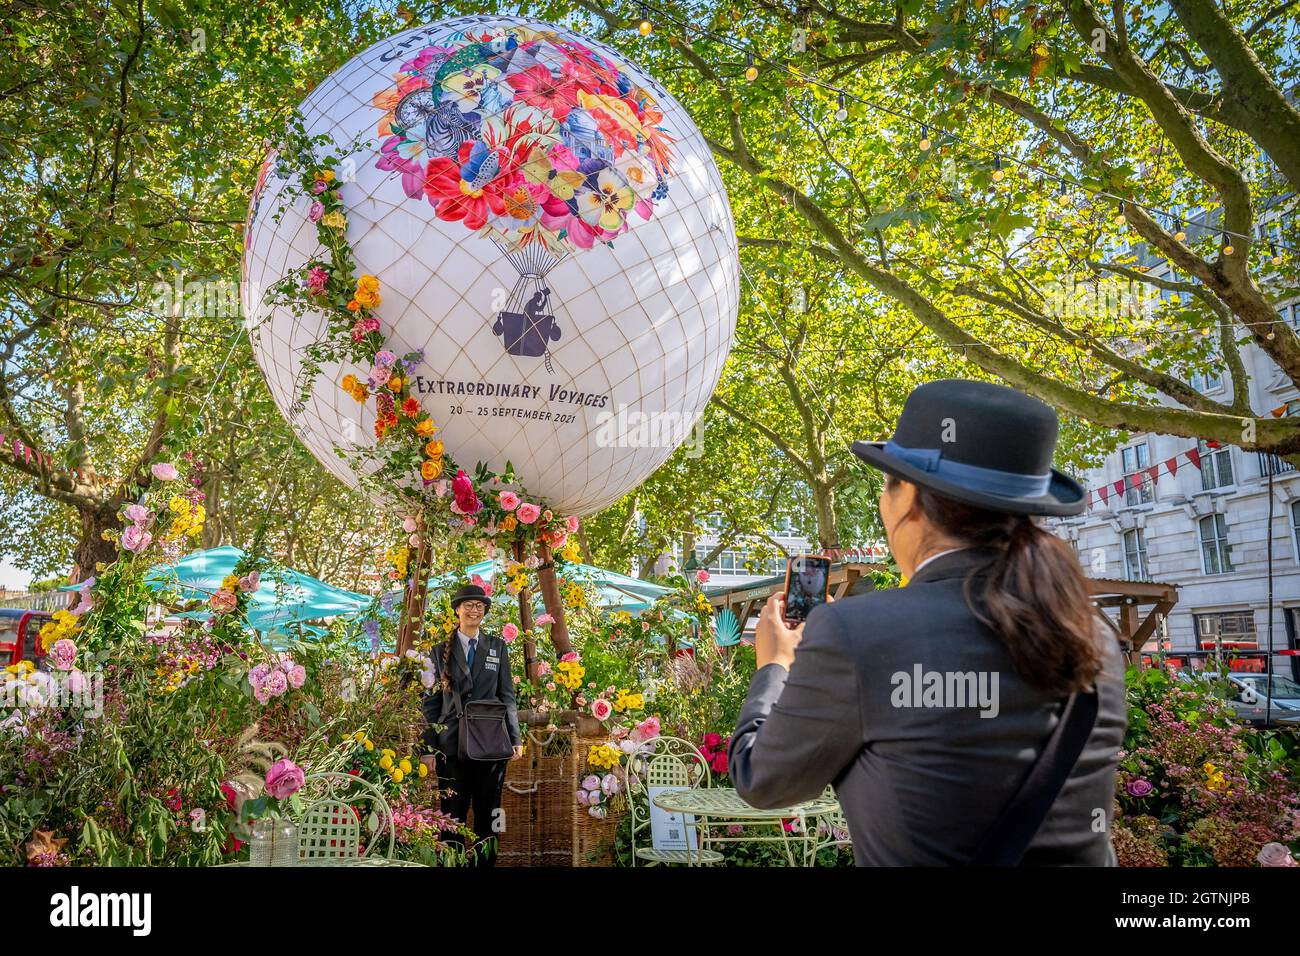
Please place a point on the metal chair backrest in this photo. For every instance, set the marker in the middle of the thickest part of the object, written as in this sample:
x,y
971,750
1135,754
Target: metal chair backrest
x,y
332,828
661,762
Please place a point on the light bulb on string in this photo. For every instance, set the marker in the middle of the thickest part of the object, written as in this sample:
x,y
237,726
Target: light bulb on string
x,y
751,71
998,171
1277,259
842,113
1120,220
1228,248
925,138
645,26
1270,336
1180,236
1063,197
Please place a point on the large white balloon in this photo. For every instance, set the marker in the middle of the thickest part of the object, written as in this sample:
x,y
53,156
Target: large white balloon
x,y
547,225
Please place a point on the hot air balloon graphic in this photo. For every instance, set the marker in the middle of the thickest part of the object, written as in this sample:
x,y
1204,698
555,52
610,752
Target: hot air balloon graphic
x,y
532,139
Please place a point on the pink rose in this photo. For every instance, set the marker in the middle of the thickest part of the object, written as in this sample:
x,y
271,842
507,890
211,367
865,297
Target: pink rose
x,y
559,539
76,681
63,654
284,779
509,633
165,471
250,581
409,525
316,279
485,585
712,740
601,709
317,210
610,784
550,685
702,576
543,668
297,676
571,523
648,729
591,782
528,512
569,658
223,602
582,797
379,375
545,619
140,515
1275,854
135,539
509,500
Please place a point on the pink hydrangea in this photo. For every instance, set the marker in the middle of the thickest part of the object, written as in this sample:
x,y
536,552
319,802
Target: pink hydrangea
x,y
528,512
509,500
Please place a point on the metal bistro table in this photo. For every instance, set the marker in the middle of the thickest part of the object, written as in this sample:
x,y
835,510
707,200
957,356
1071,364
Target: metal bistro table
x,y
340,861
717,808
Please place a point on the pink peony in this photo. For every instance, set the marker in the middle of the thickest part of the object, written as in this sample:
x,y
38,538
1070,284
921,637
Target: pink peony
x,y
569,658
601,709
284,779
545,619
135,539
63,654
140,515
276,683
528,512
165,471
509,633
702,576
250,581
571,523
509,500
409,525
610,784
297,676
316,211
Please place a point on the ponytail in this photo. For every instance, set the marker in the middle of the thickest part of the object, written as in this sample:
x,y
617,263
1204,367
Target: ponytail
x,y
1033,595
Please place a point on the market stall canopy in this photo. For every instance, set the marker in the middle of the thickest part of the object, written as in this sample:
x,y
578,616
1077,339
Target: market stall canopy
x,y
284,596
617,592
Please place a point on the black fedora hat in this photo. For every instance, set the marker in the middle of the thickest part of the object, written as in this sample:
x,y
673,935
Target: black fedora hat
x,y
471,592
980,444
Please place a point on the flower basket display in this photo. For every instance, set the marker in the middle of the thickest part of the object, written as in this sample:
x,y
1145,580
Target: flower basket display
x,y
537,799
593,837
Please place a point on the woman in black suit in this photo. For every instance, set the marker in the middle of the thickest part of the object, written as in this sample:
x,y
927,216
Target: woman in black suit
x,y
974,715
479,664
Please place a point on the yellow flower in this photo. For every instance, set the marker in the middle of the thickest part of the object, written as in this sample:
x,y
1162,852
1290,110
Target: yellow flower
x,y
425,427
397,776
359,736
424,771
327,175
350,383
388,753
395,383
405,765
386,762
431,469
335,220
368,745
508,523
230,582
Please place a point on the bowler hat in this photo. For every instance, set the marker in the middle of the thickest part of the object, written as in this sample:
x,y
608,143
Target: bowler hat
x,y
980,444
471,592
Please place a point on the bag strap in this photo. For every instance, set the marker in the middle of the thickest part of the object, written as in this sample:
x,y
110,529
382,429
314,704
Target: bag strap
x,y
451,679
1005,844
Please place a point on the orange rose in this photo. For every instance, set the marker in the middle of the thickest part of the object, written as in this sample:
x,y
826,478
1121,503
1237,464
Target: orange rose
x,y
395,383
508,523
431,469
354,306
425,427
433,449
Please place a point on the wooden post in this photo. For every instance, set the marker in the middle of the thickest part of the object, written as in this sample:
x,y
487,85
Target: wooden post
x,y
526,624
417,590
550,588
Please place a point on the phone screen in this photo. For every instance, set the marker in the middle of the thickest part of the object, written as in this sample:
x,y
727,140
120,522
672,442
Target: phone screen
x,y
807,580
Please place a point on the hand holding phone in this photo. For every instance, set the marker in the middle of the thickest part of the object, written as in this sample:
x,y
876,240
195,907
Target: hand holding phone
x,y
807,584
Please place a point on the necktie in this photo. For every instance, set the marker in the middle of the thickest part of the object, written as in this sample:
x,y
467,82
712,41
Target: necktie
x,y
473,646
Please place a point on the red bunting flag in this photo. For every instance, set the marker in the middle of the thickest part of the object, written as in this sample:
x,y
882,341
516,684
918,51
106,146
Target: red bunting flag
x,y
1119,487
1135,480
1105,494
1154,472
1090,499
1194,457
1212,445
1172,465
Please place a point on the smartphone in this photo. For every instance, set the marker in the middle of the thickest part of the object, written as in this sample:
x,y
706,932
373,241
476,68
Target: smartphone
x,y
807,584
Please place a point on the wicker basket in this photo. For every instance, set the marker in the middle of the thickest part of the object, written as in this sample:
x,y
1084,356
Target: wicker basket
x,y
537,801
593,838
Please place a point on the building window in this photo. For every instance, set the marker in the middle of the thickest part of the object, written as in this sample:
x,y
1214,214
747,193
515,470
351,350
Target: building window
x,y
1216,466
1214,545
1135,459
1135,555
1228,626
1205,382
1295,527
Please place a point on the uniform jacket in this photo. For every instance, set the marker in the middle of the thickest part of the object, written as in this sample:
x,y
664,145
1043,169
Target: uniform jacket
x,y
489,679
921,784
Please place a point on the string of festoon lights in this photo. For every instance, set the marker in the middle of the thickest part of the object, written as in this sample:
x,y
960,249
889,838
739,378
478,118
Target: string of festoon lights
x,y
650,12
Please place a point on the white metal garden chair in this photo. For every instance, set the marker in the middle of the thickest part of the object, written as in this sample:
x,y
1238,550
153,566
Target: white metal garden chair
x,y
329,828
664,762
835,824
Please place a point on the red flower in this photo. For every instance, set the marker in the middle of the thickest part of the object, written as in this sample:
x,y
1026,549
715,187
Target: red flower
x,y
175,802
719,762
229,793
538,88
453,199
410,408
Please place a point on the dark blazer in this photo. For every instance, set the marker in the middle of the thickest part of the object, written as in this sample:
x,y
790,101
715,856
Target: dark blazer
x,y
490,679
921,785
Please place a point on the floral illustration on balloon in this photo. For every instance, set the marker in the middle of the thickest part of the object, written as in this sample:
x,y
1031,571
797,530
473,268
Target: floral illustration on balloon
x,y
533,140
